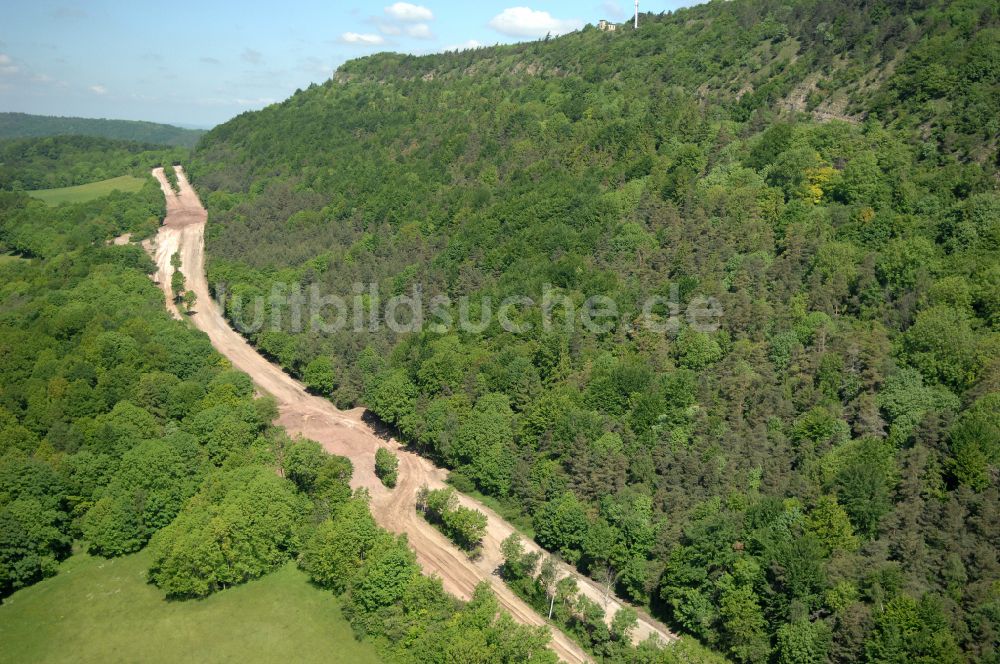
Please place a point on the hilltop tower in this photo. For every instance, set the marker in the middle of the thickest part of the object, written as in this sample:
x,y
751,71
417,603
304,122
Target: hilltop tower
x,y
636,14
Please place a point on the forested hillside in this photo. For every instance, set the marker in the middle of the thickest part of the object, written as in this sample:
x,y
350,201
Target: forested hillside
x,y
63,161
23,125
121,428
814,481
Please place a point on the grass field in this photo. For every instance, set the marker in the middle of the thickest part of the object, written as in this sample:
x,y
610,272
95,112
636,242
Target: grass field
x,y
86,192
98,610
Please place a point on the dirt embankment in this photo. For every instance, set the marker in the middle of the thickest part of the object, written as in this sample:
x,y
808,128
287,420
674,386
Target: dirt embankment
x,y
347,434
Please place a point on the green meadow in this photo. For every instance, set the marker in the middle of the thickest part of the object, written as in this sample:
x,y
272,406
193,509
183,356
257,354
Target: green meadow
x,y
86,192
97,610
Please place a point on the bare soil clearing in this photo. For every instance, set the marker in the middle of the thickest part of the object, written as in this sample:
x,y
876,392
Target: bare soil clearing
x,y
347,433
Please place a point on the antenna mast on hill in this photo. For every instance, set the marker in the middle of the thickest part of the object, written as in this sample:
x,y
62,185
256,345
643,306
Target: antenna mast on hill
x,y
636,14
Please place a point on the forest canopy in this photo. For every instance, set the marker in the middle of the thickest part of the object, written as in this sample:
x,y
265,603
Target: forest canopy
x,y
63,161
122,428
816,480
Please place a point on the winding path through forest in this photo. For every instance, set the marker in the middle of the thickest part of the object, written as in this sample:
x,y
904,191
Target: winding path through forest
x,y
347,434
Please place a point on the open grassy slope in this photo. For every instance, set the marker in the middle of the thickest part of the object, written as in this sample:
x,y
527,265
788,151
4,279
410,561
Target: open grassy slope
x,y
87,192
97,610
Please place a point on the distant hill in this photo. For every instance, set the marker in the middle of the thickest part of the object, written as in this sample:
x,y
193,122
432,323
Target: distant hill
x,y
23,125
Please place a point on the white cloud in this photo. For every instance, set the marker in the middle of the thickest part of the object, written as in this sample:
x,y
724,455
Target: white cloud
x,y
472,43
407,13
527,22
420,31
364,39
98,89
405,19
7,65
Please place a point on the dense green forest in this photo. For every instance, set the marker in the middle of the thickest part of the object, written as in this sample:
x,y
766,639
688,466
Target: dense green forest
x,y
31,229
814,481
24,125
121,427
63,161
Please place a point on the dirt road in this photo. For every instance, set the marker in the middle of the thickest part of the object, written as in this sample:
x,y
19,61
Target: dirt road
x,y
347,434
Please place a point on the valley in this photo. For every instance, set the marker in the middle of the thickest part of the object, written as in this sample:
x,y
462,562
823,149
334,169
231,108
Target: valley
x,y
520,334
346,433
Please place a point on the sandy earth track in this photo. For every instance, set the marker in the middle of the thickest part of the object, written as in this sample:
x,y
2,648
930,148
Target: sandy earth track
x,y
347,434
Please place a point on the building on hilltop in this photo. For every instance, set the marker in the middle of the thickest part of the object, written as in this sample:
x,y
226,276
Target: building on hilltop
x,y
606,26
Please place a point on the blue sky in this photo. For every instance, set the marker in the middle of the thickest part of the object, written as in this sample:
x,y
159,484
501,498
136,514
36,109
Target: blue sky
x,y
202,63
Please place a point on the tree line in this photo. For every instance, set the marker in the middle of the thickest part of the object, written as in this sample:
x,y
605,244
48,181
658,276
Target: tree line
x,y
64,161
